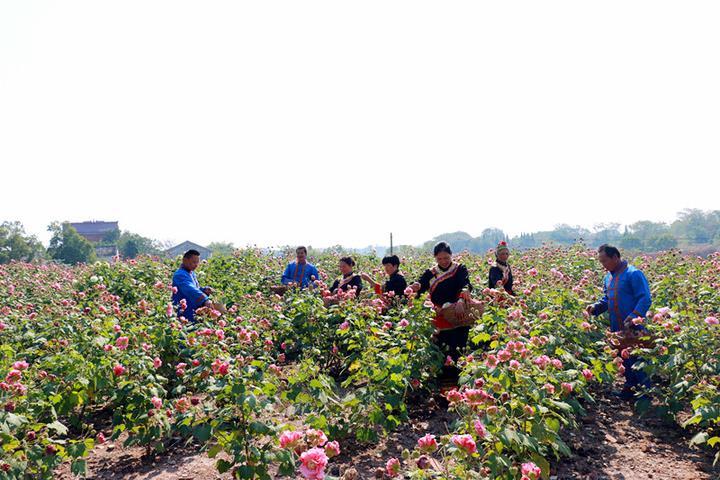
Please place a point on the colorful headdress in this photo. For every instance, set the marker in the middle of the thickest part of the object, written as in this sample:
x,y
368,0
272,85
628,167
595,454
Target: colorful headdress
x,y
501,246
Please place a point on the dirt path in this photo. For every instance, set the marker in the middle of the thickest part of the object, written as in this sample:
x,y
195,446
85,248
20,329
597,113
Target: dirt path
x,y
613,443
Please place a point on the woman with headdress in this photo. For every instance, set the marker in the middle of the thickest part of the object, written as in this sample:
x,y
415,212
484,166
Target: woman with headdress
x,y
449,285
501,273
349,278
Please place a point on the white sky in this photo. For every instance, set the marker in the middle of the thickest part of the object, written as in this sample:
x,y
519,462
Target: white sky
x,y
274,122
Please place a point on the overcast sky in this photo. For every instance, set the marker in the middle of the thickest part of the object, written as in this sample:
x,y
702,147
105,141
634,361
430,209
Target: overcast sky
x,y
321,123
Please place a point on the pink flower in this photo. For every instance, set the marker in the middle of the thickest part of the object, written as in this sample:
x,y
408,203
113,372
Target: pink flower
x,y
21,365
529,410
588,374
392,467
586,326
566,387
712,320
169,310
13,376
542,361
316,438
290,439
403,323
480,429
549,388
313,463
465,443
557,363
427,444
543,316
100,438
514,365
453,396
332,449
532,272
449,361
504,355
122,342
409,292
625,354
156,401
117,328
344,326
492,361
531,471
157,363
182,404
475,396
119,370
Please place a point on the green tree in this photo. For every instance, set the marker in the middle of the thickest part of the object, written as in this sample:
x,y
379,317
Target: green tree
x,y
697,227
66,245
629,242
665,241
111,237
130,245
221,248
15,244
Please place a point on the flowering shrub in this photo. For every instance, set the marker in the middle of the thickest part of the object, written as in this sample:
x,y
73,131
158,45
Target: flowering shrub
x,y
277,384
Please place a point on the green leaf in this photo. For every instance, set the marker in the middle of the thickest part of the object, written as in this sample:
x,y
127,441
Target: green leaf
x,y
713,441
700,438
541,462
223,465
202,432
59,428
78,467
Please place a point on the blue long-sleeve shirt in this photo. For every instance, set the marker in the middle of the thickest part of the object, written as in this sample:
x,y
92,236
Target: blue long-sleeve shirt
x,y
627,295
188,288
301,274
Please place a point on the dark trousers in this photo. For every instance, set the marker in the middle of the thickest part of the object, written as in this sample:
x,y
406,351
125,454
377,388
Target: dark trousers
x,y
452,343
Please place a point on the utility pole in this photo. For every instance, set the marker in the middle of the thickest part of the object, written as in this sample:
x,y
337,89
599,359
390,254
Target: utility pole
x,y
391,244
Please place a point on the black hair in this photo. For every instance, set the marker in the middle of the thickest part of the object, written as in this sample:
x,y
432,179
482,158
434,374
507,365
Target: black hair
x,y
348,260
298,249
442,247
609,250
191,253
392,260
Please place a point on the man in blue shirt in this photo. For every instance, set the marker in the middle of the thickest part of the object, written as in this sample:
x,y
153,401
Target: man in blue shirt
x,y
188,288
627,296
300,272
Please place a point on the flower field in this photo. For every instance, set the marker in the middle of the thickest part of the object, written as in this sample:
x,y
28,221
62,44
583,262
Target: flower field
x,y
278,385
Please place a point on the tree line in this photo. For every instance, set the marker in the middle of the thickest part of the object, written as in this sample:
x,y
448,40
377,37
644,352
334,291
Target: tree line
x,y
691,228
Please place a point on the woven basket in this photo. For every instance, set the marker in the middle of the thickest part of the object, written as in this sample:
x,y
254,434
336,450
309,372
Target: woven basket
x,y
474,311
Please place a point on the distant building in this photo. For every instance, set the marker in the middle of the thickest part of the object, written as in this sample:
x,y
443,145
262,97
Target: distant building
x,y
96,231
180,249
103,236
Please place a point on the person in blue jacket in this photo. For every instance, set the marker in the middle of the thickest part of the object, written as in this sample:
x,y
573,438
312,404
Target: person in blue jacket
x,y
300,272
188,288
627,296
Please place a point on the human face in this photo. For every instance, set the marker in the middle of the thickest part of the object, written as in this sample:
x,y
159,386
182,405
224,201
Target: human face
x,y
345,268
609,263
390,268
301,256
503,255
191,263
443,260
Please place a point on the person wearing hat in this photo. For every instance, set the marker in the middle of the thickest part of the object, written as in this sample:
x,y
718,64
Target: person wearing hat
x,y
501,273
